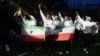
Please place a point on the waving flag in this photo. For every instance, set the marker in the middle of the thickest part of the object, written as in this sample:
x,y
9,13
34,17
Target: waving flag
x,y
87,26
33,33
66,34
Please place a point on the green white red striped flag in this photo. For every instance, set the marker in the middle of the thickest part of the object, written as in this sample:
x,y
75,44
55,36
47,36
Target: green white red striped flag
x,y
66,34
36,33
33,33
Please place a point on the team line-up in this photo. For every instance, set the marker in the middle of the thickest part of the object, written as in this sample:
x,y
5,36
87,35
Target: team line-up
x,y
62,27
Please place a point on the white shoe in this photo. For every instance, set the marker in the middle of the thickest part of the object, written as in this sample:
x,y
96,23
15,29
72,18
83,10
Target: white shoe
x,y
60,53
86,52
67,52
84,49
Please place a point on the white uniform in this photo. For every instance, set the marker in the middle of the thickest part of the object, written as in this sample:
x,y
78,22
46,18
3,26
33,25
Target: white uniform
x,y
90,27
63,22
58,23
67,23
47,23
32,21
87,26
50,24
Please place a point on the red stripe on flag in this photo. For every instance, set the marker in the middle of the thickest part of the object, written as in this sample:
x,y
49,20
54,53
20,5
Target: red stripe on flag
x,y
64,37
28,38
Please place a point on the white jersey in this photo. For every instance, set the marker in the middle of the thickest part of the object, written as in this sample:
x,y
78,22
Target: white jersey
x,y
87,26
47,23
90,27
58,23
67,23
32,21
50,24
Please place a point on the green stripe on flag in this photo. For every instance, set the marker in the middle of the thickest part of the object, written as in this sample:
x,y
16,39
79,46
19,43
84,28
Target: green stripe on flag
x,y
32,27
42,28
72,25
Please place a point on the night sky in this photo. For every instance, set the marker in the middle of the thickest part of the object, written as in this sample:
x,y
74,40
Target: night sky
x,y
83,4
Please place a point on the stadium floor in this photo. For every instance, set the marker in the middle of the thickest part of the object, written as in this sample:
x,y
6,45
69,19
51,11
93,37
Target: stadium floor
x,y
75,50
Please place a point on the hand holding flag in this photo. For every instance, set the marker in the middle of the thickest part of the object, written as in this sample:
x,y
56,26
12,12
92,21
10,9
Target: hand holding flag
x,y
59,13
77,13
18,13
60,16
39,6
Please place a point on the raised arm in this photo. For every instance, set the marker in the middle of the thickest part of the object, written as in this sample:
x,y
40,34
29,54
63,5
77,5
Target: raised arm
x,y
42,15
33,18
60,16
80,21
97,28
53,18
24,19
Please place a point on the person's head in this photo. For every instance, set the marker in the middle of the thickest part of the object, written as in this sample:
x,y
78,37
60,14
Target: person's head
x,y
31,17
48,16
56,17
70,18
27,17
88,18
65,17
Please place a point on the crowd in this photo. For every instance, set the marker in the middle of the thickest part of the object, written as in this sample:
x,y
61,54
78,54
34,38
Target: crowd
x,y
84,26
51,22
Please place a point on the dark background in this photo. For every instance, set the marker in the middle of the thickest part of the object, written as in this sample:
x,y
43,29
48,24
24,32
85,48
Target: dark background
x,y
69,7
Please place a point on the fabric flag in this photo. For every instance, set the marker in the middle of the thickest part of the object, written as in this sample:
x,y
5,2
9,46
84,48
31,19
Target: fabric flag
x,y
65,34
87,26
33,33
18,13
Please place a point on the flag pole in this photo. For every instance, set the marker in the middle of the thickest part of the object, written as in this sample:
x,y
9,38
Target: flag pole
x,y
19,7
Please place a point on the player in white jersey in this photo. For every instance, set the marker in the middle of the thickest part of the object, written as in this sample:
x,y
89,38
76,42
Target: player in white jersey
x,y
88,29
29,20
47,20
63,46
57,21
90,26
67,21
48,23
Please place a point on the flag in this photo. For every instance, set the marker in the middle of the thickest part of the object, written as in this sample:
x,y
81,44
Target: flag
x,y
37,34
66,33
18,13
33,33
